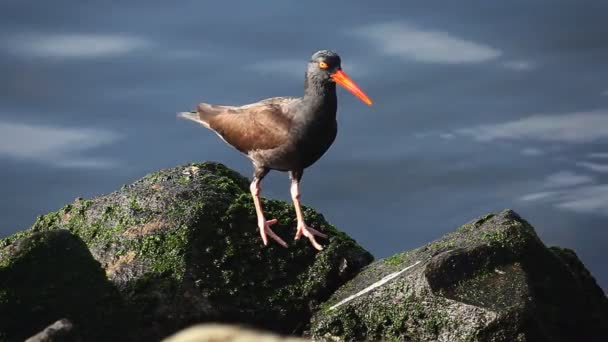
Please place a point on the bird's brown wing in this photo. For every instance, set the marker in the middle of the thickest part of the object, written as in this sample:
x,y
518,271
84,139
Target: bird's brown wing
x,y
259,126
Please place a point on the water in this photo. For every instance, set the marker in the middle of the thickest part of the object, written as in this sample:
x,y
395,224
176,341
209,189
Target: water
x,y
478,106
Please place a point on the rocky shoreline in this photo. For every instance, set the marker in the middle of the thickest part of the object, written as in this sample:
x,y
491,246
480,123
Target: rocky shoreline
x,y
179,247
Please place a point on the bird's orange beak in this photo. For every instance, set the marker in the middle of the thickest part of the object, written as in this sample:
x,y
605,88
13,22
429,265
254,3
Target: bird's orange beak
x,y
342,79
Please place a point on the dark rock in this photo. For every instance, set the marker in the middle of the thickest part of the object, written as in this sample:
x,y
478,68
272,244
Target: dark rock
x,y
491,280
52,274
60,331
182,247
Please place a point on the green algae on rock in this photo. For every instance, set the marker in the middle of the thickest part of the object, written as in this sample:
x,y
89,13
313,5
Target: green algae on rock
x,y
491,280
182,246
49,275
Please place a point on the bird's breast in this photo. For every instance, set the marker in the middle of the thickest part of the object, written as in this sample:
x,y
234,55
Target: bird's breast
x,y
313,139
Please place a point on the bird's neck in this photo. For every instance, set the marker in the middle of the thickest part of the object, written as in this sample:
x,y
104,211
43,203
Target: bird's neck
x,y
320,96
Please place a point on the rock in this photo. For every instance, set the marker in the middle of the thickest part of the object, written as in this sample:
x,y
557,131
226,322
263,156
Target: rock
x,y
182,247
491,280
60,331
226,333
51,274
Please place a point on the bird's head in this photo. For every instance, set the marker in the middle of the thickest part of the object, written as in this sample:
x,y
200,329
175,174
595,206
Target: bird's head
x,y
325,66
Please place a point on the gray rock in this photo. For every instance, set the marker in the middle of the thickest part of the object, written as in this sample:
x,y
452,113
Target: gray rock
x,y
60,331
182,247
227,333
491,280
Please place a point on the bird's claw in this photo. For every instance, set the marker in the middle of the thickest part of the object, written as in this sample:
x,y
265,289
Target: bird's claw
x,y
265,231
310,233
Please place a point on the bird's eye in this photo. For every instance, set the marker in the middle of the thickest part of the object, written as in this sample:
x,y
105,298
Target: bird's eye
x,y
323,65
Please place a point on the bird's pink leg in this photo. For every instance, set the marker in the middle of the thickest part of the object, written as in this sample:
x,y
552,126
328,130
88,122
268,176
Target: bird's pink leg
x,y
262,223
303,229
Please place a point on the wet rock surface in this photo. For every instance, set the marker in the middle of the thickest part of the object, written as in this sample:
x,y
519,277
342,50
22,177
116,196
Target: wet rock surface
x,y
491,280
48,275
181,246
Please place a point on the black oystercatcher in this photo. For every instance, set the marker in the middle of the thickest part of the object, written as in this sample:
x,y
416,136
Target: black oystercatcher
x,y
284,133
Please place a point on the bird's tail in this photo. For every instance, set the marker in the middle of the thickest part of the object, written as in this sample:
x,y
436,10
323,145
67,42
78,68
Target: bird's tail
x,y
193,116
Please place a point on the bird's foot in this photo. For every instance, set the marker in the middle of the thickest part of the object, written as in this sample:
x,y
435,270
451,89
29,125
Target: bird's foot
x,y
310,233
265,231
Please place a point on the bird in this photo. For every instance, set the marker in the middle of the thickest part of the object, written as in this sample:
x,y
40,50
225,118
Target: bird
x,y
285,134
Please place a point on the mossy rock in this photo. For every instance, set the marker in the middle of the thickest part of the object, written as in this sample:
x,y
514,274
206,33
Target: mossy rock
x,y
49,275
491,280
182,247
